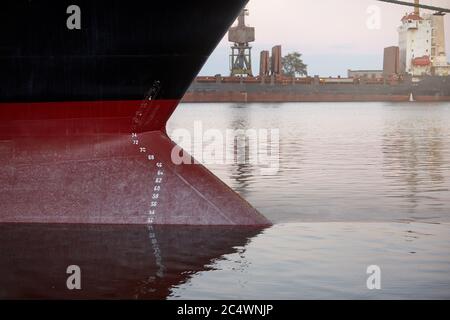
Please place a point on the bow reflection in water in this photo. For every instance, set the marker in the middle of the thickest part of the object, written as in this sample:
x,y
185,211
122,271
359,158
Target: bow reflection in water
x,y
134,262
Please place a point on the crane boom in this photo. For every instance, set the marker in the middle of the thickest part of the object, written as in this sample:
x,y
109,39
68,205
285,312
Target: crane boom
x,y
423,6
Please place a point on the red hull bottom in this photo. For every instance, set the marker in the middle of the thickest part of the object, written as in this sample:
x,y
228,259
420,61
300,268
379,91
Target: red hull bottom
x,y
78,162
112,179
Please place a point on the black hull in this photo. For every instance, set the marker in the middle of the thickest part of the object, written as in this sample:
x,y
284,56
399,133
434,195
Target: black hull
x,y
122,48
105,72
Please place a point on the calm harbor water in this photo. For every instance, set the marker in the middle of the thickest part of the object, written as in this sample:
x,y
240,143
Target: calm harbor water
x,y
340,161
358,184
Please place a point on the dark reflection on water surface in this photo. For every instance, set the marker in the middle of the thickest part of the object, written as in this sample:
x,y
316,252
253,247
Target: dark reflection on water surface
x,y
134,262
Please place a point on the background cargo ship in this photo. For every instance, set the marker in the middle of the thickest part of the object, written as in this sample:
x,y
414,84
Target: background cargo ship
x,y
283,89
415,69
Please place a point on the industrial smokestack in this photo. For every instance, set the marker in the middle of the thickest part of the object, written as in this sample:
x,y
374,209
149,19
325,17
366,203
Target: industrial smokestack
x,y
416,7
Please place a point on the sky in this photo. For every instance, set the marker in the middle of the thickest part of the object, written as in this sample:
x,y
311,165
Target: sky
x,y
332,35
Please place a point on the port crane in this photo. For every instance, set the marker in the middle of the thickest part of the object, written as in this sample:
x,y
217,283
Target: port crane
x,y
416,4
